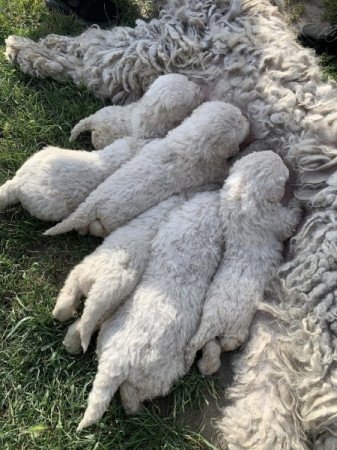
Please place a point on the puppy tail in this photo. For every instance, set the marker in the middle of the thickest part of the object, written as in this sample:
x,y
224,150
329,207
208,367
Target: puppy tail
x,y
106,383
82,126
8,194
79,219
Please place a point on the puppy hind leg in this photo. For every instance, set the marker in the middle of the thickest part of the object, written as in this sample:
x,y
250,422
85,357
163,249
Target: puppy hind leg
x,y
238,318
97,229
204,334
230,343
72,339
130,398
8,194
210,362
69,297
103,299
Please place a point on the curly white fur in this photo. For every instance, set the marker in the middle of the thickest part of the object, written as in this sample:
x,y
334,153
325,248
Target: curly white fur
x,y
251,58
254,224
191,155
141,348
168,101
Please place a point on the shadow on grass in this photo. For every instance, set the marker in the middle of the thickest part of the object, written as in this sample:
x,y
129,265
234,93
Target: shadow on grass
x,y
33,19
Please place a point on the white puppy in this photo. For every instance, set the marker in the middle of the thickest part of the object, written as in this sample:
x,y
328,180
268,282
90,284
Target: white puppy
x,y
109,274
54,181
254,224
191,155
169,99
141,348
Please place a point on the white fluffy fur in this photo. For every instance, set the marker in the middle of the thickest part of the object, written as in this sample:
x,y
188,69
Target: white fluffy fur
x,y
141,348
109,275
254,60
168,101
55,181
254,224
191,155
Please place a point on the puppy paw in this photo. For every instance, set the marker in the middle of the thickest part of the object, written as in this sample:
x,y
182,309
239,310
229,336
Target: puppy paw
x,y
228,344
100,139
210,360
208,366
72,339
97,229
130,399
64,312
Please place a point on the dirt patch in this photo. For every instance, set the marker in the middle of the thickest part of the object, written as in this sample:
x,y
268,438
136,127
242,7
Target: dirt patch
x,y
206,418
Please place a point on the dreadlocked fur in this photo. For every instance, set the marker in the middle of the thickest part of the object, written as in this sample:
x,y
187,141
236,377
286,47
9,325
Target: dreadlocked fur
x,y
292,360
246,54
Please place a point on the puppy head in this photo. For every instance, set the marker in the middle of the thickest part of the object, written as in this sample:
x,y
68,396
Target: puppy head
x,y
168,101
217,124
260,175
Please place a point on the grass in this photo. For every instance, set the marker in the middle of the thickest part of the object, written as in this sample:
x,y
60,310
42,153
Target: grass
x,y
43,390
331,10
295,9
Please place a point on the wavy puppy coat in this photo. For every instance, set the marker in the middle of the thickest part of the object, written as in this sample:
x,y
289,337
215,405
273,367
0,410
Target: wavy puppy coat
x,y
168,101
109,275
55,181
191,155
141,348
254,224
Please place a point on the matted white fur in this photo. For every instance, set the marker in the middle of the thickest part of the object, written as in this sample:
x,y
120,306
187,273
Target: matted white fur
x,y
191,155
254,226
141,348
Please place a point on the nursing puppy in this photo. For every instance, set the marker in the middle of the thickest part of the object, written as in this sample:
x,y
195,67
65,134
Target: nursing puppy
x,y
141,348
254,226
55,181
109,275
169,99
191,155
